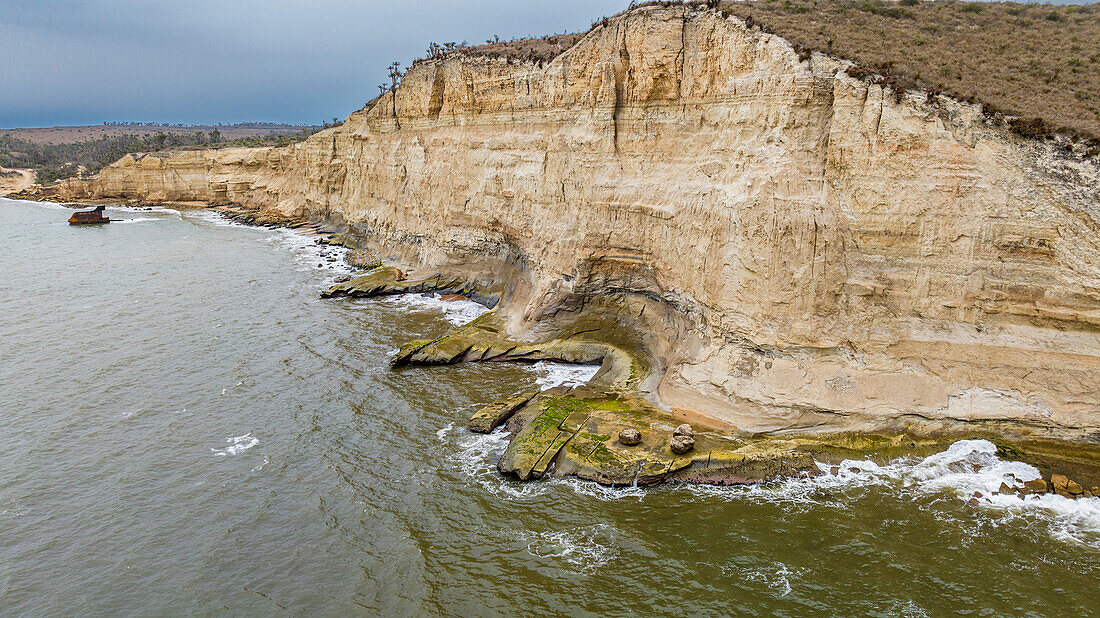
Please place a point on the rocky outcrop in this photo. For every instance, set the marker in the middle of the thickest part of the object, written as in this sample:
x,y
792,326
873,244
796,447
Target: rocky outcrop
x,y
793,249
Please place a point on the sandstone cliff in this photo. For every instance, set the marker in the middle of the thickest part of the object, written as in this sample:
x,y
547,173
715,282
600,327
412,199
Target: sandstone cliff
x,y
806,250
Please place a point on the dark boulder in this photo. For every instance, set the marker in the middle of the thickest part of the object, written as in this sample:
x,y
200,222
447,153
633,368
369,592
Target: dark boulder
x,y
630,437
681,444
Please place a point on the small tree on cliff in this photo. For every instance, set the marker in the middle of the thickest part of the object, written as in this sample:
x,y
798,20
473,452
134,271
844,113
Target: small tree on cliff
x,y
395,75
395,78
215,136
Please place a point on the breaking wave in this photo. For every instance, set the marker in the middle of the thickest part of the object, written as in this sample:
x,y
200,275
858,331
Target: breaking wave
x,y
968,471
457,312
236,446
554,373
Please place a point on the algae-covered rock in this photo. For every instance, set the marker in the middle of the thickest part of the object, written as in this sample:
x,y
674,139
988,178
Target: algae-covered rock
x,y
378,281
407,350
388,280
486,339
493,415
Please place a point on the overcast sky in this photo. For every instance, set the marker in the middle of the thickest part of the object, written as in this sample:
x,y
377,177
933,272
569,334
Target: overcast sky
x,y
208,61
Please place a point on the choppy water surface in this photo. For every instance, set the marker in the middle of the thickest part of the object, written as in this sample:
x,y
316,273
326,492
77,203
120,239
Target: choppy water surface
x,y
186,428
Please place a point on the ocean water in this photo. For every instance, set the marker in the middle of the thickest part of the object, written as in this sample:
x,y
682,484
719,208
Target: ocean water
x,y
187,428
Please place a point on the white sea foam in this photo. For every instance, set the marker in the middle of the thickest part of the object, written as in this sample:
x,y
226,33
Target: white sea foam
x,y
553,373
214,217
585,549
457,312
311,255
476,456
777,577
236,446
160,209
135,220
10,508
442,433
595,490
308,253
48,205
906,609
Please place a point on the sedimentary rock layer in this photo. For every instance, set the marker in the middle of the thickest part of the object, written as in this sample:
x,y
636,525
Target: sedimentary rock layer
x,y
800,249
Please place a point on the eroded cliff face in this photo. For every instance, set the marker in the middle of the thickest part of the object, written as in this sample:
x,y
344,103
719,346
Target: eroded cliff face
x,y
800,249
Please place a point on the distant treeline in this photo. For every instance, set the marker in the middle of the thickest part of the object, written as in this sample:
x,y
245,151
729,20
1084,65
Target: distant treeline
x,y
56,161
247,125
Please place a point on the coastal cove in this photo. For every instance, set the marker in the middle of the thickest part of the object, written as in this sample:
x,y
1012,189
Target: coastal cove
x,y
189,427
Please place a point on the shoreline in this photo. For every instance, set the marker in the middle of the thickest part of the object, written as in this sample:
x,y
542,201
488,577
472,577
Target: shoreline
x,y
759,458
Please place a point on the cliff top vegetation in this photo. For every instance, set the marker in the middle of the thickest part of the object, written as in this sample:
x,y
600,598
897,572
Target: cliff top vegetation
x,y
80,133
1037,62
1035,65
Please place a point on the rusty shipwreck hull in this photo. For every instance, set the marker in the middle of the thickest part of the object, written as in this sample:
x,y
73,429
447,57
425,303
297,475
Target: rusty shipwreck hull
x,y
89,217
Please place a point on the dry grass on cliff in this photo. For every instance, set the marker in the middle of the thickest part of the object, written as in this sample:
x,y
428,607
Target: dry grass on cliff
x,y
1037,62
1029,60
